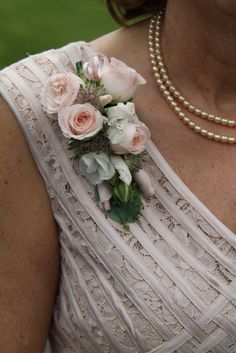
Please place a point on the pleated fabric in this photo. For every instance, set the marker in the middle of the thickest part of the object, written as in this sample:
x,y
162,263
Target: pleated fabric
x,y
168,284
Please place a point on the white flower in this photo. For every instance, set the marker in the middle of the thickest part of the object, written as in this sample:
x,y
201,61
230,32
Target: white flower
x,y
128,138
120,80
93,67
80,121
144,182
61,90
122,112
96,167
122,168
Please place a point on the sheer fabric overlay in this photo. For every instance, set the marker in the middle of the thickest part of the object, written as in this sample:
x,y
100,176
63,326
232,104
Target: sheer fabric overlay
x,y
166,285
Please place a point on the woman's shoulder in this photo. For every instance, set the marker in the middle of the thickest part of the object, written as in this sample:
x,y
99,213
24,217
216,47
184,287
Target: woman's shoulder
x,y
127,44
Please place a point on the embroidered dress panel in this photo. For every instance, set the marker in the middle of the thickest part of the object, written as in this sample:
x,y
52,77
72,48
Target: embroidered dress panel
x,y
168,284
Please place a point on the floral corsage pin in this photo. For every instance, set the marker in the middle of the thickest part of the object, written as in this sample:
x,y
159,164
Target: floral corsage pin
x,y
96,115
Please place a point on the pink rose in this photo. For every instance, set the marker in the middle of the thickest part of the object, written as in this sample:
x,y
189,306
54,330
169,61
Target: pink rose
x,y
120,80
60,91
129,138
80,121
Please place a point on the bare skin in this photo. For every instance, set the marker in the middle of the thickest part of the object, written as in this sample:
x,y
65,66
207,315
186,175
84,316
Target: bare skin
x,y
202,33
29,255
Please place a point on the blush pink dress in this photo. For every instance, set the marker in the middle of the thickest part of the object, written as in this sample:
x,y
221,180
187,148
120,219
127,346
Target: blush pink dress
x,y
166,285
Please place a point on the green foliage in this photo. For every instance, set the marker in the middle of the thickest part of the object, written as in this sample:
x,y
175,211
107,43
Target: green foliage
x,y
98,143
128,212
30,27
121,193
79,69
132,161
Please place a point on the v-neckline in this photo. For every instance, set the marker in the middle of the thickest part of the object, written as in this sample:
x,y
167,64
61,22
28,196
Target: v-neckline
x,y
184,190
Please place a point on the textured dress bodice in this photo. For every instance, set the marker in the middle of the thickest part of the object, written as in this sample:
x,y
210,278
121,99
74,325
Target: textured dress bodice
x,y
168,284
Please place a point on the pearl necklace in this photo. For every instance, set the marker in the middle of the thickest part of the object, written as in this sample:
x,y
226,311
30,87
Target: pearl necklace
x,y
172,95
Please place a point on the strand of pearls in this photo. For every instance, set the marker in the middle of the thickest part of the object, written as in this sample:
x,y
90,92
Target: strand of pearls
x,y
172,95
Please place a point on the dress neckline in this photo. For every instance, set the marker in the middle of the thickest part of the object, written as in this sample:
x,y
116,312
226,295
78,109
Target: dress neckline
x,y
184,190
181,187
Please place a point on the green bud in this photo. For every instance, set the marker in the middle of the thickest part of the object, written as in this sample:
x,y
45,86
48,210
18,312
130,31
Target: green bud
x,y
122,192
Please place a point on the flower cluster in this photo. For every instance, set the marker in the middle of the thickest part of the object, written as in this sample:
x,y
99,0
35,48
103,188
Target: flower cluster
x,y
95,112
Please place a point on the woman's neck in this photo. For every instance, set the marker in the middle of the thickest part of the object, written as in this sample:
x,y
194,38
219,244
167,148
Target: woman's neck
x,y
199,45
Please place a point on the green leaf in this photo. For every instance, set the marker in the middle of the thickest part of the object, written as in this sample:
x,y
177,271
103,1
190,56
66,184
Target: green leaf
x,y
132,160
96,193
79,68
125,213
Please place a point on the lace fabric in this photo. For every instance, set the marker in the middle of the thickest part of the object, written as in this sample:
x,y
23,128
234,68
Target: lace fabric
x,y
166,285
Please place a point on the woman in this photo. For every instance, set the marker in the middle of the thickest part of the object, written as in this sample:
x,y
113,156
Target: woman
x,y
168,283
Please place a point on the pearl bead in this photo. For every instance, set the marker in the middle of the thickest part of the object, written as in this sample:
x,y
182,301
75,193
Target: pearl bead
x,y
186,120
217,119
162,71
173,104
217,137
224,121
204,115
186,104
191,108
203,132
210,135
197,128
197,111
231,123
159,82
191,125
177,110
231,140
181,115
153,62
165,77
166,93
224,139
168,83
171,88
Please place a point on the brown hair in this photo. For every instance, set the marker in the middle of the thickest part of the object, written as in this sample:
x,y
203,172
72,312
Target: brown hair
x,y
125,10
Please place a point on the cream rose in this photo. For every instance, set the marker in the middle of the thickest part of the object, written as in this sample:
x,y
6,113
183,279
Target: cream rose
x,y
96,167
80,121
122,112
129,138
60,90
120,80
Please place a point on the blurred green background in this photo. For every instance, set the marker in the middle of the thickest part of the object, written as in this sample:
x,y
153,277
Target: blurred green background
x,y
29,26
